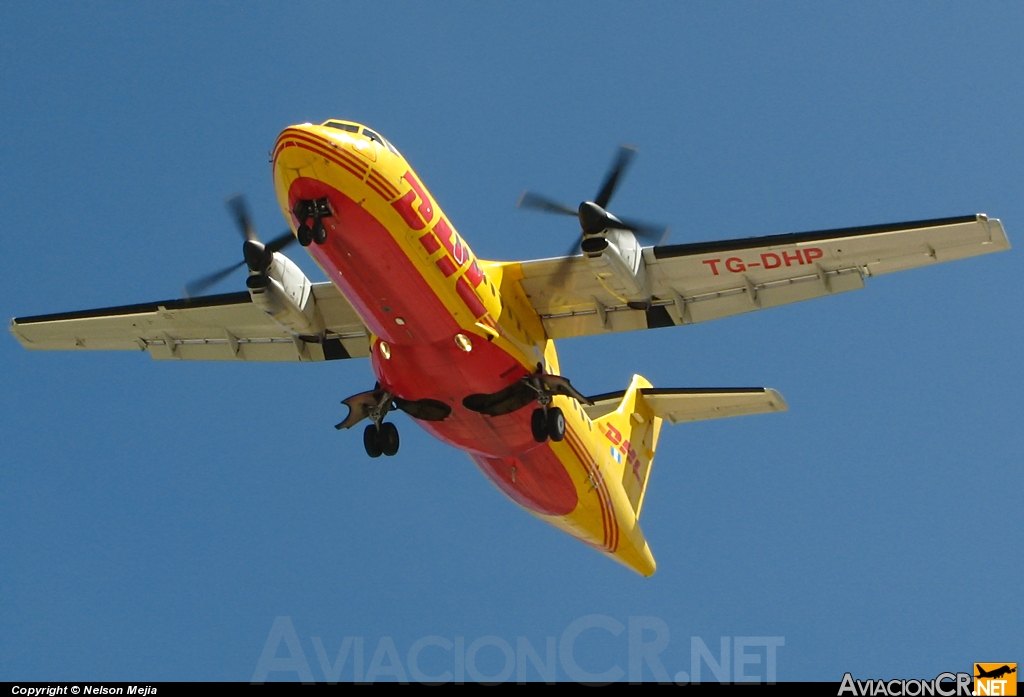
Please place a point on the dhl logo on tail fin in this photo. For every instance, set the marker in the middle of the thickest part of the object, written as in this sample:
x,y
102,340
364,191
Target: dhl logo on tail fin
x,y
631,437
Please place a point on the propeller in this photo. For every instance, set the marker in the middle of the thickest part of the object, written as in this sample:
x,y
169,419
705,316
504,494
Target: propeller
x,y
593,215
255,254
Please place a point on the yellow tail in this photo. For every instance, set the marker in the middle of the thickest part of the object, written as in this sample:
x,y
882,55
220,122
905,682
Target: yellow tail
x,y
632,430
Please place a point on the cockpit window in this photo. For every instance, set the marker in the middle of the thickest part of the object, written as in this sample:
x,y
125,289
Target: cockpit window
x,y
380,139
350,127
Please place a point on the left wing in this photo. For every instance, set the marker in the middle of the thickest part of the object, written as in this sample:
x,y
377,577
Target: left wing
x,y
697,282
216,327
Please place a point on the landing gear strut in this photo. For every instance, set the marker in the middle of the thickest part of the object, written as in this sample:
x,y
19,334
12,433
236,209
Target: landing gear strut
x,y
315,210
380,437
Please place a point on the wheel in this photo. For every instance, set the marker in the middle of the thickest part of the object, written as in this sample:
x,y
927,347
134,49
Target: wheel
x,y
556,424
371,441
539,426
305,235
319,232
388,438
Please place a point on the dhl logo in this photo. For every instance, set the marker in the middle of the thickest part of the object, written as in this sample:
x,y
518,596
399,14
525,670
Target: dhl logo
x,y
769,260
622,448
458,254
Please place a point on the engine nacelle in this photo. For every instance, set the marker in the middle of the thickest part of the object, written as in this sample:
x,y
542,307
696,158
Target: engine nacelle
x,y
286,295
616,258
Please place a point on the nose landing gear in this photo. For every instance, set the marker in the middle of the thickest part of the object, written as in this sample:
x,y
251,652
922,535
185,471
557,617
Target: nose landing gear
x,y
315,210
380,437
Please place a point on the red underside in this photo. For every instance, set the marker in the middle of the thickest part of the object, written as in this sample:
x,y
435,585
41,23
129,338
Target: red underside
x,y
364,261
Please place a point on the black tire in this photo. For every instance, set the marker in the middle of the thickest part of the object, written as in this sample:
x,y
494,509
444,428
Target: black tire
x,y
304,234
539,426
371,441
319,232
556,424
388,438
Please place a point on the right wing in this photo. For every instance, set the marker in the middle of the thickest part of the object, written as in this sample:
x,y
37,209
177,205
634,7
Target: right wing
x,y
215,327
701,281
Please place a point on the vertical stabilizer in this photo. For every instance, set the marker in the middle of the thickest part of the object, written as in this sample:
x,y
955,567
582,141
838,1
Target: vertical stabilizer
x,y
631,433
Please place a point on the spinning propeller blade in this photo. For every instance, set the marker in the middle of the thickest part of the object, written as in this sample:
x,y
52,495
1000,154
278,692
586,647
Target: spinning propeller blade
x,y
592,215
611,180
256,255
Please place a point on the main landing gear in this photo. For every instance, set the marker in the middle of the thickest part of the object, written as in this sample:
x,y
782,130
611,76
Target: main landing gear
x,y
315,210
539,388
548,423
381,439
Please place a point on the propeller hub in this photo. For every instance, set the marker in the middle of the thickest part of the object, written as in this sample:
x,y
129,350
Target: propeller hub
x,y
256,255
594,219
257,258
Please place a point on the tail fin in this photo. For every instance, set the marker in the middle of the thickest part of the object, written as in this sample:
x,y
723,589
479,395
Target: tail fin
x,y
632,430
632,420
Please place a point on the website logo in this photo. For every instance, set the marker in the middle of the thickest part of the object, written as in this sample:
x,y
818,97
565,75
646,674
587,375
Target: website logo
x,y
995,679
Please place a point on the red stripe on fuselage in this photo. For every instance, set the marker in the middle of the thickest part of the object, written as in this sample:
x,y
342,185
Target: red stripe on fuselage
x,y
321,146
608,518
337,156
390,190
605,523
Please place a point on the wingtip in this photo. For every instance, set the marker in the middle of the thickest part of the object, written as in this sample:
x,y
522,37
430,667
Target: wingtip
x,y
778,401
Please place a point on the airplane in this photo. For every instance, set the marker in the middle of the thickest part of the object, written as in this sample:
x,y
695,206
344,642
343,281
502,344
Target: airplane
x,y
996,672
465,347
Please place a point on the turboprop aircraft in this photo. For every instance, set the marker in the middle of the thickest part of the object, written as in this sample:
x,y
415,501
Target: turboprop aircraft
x,y
466,347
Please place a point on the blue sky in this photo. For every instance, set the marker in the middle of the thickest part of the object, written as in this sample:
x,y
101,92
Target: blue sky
x,y
157,517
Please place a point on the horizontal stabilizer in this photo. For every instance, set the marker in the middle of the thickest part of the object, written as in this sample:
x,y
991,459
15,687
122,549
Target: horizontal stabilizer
x,y
682,404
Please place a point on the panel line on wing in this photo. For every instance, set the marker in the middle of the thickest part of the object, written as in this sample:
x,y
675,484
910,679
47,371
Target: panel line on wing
x,y
820,276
